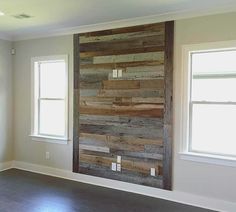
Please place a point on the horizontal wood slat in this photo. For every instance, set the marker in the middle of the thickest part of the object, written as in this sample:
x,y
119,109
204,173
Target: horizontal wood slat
x,y
122,51
156,113
140,28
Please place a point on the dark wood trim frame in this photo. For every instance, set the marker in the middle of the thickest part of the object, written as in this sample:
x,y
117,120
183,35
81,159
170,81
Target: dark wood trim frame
x,y
76,104
168,119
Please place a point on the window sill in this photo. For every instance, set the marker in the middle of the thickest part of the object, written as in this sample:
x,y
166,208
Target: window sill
x,y
49,139
207,158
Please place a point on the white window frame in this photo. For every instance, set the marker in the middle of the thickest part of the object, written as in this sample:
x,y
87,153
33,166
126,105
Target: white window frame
x,y
185,119
35,103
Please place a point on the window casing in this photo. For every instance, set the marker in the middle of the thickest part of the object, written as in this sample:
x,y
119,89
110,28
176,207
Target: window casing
x,y
209,102
50,99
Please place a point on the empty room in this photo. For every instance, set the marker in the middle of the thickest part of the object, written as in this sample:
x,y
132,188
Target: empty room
x,y
117,106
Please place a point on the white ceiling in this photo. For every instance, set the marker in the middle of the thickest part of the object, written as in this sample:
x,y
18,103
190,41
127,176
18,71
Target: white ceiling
x,y
54,16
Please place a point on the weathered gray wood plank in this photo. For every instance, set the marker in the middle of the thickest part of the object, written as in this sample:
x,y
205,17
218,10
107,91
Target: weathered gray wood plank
x,y
76,105
139,132
167,160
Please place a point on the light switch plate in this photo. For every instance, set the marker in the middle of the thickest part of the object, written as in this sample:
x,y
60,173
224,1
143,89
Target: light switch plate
x,y
119,73
114,73
153,172
47,156
118,159
113,166
118,167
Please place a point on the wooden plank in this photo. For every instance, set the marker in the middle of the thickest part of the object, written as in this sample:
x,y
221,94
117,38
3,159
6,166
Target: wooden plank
x,y
121,121
76,105
131,165
135,154
139,132
111,144
127,44
159,69
93,78
87,54
86,100
122,64
94,148
139,75
123,36
125,58
167,160
133,84
129,140
89,92
105,71
126,176
132,93
121,84
155,113
148,27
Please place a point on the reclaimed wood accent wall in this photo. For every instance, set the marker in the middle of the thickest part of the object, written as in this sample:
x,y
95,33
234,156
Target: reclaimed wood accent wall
x,y
123,104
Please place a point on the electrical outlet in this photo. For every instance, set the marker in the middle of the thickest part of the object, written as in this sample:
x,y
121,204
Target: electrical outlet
x,y
114,73
118,167
153,172
119,73
47,155
113,166
118,159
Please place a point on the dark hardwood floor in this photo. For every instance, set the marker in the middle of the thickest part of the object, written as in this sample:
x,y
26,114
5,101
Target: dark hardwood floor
x,y
23,191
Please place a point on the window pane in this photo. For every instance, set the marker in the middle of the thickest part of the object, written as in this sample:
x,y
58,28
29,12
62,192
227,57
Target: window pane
x,y
52,117
52,79
214,89
214,62
213,128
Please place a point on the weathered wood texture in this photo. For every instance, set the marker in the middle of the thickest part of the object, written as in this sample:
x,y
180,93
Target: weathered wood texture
x,y
76,105
122,116
169,54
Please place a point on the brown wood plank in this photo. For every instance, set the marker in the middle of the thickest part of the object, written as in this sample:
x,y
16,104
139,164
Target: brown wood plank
x,y
124,58
124,140
133,84
76,105
87,100
123,36
121,121
132,93
148,27
88,54
121,84
167,160
131,43
139,132
156,113
122,64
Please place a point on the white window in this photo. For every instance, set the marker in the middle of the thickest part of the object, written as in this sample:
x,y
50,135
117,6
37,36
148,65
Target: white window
x,y
209,111
50,99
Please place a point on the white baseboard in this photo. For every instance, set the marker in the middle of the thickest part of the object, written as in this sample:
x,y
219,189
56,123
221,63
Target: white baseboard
x,y
5,165
176,196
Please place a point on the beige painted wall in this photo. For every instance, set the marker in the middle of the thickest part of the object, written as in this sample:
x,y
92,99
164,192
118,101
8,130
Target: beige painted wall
x,y
200,178
25,148
6,139
195,178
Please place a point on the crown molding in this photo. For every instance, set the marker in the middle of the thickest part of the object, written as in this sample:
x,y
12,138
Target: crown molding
x,y
177,15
